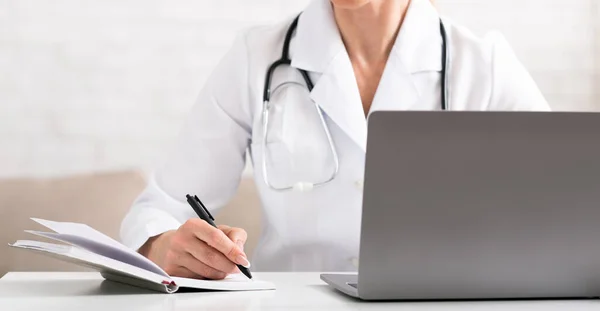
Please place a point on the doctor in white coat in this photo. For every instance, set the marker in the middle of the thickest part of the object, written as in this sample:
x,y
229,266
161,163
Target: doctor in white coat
x,y
363,56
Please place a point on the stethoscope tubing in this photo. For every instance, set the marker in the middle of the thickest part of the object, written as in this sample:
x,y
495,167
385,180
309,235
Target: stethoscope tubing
x,y
285,60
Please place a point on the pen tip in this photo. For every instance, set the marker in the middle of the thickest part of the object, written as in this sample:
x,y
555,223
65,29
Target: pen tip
x,y
245,272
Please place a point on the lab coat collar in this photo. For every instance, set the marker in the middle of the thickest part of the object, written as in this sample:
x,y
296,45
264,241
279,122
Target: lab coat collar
x,y
418,45
317,40
318,47
418,49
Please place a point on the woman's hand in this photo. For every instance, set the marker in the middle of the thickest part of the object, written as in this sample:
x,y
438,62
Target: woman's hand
x,y
198,250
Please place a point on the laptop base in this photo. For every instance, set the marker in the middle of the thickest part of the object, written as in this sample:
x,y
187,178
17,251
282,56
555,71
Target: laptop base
x,y
345,283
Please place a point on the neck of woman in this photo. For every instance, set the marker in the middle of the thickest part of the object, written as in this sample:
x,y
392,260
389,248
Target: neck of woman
x,y
369,31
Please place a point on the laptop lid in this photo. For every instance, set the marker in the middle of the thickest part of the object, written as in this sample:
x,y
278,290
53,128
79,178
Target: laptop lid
x,y
470,205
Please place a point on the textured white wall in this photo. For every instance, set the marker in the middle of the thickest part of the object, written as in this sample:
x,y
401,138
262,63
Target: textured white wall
x,y
103,85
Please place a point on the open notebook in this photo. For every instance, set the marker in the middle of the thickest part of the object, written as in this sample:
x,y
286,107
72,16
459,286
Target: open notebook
x,y
116,262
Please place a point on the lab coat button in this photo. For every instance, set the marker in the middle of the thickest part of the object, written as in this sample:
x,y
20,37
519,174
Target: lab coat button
x,y
359,184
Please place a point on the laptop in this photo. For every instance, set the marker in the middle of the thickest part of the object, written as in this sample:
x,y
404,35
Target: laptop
x,y
479,205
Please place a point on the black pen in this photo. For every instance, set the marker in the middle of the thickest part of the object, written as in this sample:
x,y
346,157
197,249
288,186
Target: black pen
x,y
205,215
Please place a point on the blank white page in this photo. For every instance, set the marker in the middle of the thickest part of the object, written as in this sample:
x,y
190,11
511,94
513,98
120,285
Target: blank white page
x,y
89,233
103,250
233,282
81,230
83,257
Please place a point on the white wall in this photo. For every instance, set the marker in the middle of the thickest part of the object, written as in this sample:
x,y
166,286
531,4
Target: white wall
x,y
558,40
103,85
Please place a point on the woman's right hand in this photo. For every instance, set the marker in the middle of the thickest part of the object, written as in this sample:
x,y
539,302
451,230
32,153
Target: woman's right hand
x,y
198,250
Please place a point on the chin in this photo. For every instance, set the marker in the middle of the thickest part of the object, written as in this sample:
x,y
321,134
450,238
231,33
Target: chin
x,y
349,4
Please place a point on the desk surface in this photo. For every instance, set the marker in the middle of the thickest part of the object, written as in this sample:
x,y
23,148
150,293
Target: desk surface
x,y
296,291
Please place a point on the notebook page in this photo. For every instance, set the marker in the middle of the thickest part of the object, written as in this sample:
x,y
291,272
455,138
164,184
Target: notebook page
x,y
101,249
78,229
233,282
89,233
88,259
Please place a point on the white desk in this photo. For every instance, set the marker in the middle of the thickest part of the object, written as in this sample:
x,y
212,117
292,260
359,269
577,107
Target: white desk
x,y
295,291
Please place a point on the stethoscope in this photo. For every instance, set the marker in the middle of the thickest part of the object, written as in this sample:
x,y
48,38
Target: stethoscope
x,y
285,60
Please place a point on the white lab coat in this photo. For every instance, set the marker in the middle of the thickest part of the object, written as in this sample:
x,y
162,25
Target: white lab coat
x,y
316,230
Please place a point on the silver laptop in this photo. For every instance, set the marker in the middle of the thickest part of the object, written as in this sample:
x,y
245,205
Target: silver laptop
x,y
479,205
